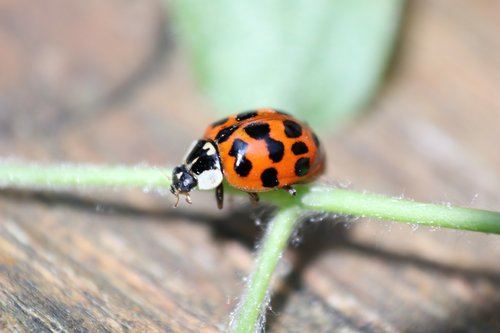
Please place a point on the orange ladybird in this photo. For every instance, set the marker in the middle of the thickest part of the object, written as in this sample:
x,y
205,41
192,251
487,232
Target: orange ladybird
x,y
254,151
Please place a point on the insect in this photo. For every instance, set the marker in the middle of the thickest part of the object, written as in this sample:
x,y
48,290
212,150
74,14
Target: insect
x,y
255,151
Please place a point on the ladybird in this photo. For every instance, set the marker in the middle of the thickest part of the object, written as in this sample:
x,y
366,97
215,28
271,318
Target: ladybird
x,y
255,151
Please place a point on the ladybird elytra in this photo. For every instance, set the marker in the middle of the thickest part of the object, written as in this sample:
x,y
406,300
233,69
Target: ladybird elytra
x,y
255,151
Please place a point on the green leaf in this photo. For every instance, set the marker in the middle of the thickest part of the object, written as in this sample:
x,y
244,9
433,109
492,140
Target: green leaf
x,y
321,60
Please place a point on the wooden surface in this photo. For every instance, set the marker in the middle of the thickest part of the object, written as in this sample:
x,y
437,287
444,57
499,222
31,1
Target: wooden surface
x,y
83,81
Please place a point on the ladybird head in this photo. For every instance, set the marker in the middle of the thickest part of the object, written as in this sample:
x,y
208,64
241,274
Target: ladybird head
x,y
183,181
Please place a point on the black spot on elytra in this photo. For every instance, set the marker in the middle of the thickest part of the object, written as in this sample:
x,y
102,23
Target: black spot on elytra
x,y
220,122
316,140
299,148
302,166
246,115
258,131
269,177
243,168
225,133
292,129
276,149
242,165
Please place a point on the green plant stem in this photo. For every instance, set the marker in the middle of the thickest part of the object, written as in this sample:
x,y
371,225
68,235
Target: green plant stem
x,y
15,173
253,303
32,175
397,209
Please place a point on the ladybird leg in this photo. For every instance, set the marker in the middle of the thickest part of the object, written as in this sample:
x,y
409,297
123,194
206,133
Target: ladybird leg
x,y
290,190
219,195
254,197
177,200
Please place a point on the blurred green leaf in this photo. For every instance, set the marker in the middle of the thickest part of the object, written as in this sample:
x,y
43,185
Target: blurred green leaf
x,y
321,60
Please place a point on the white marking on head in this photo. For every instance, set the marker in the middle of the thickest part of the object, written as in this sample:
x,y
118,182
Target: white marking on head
x,y
210,148
209,179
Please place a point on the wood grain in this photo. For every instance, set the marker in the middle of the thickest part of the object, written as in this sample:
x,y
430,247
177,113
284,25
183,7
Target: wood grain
x,y
125,261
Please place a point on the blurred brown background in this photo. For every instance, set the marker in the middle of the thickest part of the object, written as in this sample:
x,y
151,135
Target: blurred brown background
x,y
108,82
